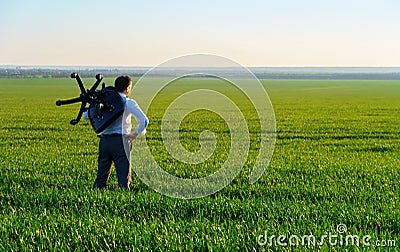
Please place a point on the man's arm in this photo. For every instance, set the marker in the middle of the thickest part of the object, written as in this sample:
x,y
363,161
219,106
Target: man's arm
x,y
86,113
140,117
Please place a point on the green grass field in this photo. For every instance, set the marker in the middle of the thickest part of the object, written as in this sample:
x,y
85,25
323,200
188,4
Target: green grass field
x,y
336,161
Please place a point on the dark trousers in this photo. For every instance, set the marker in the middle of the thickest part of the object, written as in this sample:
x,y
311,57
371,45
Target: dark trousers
x,y
113,149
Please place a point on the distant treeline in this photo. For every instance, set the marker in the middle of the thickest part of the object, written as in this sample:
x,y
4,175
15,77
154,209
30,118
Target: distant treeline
x,y
330,76
89,73
57,73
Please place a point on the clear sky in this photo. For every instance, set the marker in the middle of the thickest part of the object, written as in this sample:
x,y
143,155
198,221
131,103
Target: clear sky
x,y
253,33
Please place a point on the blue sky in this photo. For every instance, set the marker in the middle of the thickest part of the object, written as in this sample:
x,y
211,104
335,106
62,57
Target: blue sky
x,y
253,33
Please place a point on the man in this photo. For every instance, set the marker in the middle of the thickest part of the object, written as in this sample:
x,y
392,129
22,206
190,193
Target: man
x,y
115,140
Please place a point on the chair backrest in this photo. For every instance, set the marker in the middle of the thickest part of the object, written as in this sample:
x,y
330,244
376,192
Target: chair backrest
x,y
108,105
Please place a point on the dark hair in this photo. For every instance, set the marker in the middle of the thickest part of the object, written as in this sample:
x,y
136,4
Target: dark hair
x,y
122,82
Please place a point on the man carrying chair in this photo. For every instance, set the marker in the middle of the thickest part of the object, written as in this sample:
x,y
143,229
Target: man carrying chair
x,y
115,140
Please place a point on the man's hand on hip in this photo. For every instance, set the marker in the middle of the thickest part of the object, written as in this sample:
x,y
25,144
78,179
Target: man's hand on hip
x,y
131,136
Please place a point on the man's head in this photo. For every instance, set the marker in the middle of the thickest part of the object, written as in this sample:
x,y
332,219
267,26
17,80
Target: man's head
x,y
123,84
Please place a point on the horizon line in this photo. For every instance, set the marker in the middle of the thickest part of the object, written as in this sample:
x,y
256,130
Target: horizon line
x,y
266,66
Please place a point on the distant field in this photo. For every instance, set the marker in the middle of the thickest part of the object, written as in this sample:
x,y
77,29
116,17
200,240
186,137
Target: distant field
x,y
336,161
